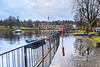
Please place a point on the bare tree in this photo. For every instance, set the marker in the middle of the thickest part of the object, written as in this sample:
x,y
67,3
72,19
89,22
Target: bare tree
x,y
87,10
30,23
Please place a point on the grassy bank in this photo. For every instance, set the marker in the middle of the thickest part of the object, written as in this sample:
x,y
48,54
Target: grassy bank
x,y
96,39
93,38
82,32
15,27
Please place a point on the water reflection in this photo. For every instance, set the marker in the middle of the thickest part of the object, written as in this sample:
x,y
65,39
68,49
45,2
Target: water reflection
x,y
80,47
63,60
78,53
84,54
8,38
63,46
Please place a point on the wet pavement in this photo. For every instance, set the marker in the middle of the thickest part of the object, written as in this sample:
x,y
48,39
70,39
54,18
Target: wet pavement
x,y
76,52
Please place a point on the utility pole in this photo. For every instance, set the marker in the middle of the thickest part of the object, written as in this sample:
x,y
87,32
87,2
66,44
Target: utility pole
x,y
48,19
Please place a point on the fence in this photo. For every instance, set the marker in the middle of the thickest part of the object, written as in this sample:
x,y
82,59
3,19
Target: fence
x,y
32,55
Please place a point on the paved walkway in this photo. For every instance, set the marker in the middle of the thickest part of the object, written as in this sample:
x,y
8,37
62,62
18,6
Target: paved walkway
x,y
77,54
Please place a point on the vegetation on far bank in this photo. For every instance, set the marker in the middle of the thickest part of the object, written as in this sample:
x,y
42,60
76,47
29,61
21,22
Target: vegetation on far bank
x,y
14,22
16,27
82,32
96,39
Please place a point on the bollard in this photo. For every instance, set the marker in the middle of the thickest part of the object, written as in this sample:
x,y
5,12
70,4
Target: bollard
x,y
63,29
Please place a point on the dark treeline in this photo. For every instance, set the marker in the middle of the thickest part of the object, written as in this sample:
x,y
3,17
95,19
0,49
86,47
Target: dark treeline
x,y
14,21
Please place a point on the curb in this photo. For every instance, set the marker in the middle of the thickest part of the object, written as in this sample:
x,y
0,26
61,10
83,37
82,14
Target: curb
x,y
93,42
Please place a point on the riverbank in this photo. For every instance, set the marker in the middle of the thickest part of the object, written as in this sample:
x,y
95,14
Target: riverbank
x,y
92,38
20,29
26,29
8,29
2,28
82,32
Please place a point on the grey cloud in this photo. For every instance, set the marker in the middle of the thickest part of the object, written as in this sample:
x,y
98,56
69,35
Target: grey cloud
x,y
39,9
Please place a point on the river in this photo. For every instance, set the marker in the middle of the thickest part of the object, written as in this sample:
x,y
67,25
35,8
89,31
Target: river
x,y
10,40
72,51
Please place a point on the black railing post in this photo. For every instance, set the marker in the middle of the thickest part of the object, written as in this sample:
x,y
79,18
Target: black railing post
x,y
55,42
25,55
42,56
2,60
50,47
22,57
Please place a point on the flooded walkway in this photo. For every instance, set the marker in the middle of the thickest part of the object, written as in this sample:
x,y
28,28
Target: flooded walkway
x,y
77,53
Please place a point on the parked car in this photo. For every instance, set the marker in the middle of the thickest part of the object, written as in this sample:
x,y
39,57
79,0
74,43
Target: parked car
x,y
97,29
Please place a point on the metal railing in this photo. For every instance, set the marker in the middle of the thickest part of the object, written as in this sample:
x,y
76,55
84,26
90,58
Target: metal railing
x,y
32,55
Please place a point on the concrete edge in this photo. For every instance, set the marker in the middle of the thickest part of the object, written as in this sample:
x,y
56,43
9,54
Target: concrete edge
x,y
75,34
93,42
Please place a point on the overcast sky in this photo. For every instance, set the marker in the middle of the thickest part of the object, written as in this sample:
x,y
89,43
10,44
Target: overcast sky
x,y
37,9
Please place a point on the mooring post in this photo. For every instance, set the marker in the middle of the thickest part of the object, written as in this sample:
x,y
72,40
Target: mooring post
x,y
25,55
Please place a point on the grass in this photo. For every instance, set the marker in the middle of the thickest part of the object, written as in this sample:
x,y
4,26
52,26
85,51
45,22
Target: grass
x,y
96,38
2,27
16,27
82,32
24,27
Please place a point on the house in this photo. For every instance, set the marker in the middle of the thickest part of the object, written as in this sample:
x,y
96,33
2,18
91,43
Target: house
x,y
51,26
75,26
98,22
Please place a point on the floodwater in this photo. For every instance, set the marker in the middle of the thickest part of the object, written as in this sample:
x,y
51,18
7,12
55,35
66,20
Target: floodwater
x,y
10,40
72,51
76,52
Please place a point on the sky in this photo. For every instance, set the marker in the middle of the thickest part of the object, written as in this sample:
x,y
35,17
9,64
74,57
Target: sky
x,y
37,9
